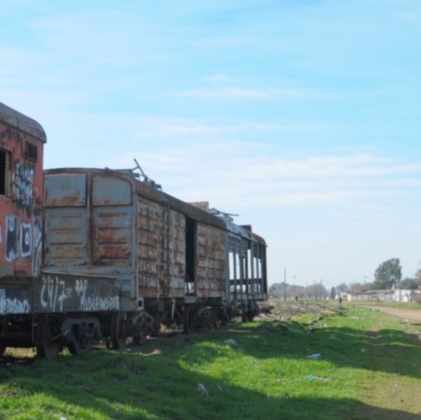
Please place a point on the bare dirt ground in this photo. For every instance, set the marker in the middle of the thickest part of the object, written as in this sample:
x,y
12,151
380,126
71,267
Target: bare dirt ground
x,y
412,315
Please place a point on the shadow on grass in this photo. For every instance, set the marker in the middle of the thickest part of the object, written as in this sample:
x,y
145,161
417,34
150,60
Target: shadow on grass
x,y
387,350
146,383
129,386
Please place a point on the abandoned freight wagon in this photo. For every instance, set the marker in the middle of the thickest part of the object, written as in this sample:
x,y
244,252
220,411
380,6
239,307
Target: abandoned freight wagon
x,y
171,262
21,194
88,254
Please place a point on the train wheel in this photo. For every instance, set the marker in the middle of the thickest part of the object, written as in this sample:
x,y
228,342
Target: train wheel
x,y
73,344
118,332
47,348
145,326
156,330
206,318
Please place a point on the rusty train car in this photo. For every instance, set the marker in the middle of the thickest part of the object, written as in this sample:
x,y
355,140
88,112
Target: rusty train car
x,y
90,254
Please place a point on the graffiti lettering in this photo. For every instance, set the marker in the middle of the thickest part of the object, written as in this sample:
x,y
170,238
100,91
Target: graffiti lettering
x,y
81,289
58,295
25,240
36,246
54,293
24,178
101,304
13,305
11,238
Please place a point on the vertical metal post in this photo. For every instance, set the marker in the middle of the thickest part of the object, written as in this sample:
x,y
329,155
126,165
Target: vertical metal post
x,y
285,284
265,271
234,257
246,273
253,277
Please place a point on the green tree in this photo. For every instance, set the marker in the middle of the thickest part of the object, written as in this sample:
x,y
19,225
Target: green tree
x,y
408,283
418,278
342,288
388,274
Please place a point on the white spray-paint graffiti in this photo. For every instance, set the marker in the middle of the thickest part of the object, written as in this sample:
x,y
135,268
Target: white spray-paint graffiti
x,y
11,238
23,184
36,245
13,305
55,293
23,240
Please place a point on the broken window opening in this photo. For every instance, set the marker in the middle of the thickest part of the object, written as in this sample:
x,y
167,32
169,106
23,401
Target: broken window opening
x,y
231,265
4,173
31,152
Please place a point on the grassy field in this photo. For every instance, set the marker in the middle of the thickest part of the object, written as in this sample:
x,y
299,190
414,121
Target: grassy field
x,y
369,368
393,305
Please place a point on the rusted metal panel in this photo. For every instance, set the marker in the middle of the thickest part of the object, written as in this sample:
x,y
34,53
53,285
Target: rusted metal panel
x,y
112,241
65,190
21,191
110,190
170,202
148,192
177,253
89,233
151,238
210,262
58,293
162,248
66,237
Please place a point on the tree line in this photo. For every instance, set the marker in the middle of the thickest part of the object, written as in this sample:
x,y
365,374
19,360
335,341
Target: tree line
x,y
388,275
292,291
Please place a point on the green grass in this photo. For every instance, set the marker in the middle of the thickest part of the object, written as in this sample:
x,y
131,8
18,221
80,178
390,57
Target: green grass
x,y
394,305
370,368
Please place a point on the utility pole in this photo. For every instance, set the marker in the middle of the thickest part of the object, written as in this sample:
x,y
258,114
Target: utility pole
x,y
285,284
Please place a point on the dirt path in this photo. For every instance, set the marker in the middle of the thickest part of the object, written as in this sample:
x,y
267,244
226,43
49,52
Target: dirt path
x,y
413,315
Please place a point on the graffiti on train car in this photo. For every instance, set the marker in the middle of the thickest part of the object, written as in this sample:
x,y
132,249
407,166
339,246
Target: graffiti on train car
x,y
36,245
11,238
23,184
13,305
23,240
59,293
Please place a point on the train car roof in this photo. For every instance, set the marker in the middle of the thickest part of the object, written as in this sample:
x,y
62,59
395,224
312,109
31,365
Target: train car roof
x,y
21,122
245,232
151,193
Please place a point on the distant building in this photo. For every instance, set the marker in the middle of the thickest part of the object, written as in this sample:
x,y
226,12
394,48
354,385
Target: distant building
x,y
386,295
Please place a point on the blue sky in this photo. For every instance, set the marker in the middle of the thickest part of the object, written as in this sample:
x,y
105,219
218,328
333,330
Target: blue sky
x,y
301,115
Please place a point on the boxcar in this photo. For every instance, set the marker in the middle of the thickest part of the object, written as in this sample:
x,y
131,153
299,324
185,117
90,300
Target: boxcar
x,y
163,260
88,254
21,193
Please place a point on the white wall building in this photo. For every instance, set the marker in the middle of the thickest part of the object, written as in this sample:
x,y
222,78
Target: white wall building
x,y
387,295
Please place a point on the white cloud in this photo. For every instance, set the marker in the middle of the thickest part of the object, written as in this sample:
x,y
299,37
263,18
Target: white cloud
x,y
248,93
239,175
